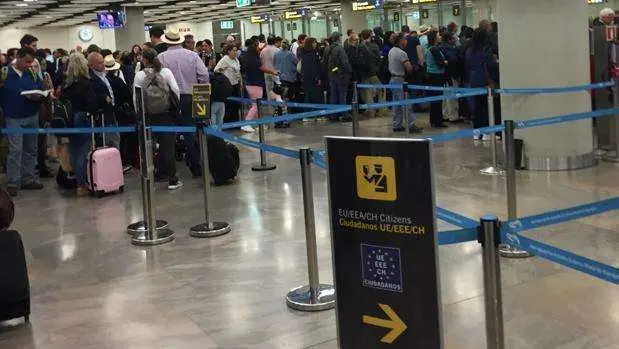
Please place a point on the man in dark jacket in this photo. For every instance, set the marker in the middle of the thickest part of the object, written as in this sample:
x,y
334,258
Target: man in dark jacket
x,y
340,72
105,95
368,64
155,38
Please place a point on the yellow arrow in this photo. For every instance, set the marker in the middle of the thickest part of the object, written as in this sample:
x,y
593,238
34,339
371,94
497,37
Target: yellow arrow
x,y
201,109
396,324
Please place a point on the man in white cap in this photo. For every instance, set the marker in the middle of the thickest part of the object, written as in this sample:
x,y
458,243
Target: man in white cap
x,y
188,69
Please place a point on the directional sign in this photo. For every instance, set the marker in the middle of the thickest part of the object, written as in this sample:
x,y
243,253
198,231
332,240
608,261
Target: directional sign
x,y
425,13
384,243
455,10
201,96
393,323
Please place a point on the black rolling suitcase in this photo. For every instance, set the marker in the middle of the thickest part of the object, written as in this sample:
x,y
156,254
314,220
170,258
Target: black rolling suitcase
x,y
223,160
14,283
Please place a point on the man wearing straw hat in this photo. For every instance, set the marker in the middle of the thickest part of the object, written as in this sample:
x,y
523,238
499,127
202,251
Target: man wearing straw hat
x,y
188,69
105,95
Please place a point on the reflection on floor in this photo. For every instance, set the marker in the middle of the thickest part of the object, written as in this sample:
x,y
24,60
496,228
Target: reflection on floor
x,y
91,289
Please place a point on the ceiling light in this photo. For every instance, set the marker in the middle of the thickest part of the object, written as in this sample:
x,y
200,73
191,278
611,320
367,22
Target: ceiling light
x,y
21,5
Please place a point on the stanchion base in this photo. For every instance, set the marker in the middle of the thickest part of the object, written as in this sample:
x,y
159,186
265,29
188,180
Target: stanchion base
x,y
209,230
260,167
610,156
140,227
510,252
300,298
492,171
163,236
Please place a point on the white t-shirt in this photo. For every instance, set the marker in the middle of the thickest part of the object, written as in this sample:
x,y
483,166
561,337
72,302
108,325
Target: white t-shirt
x,y
140,79
294,47
231,68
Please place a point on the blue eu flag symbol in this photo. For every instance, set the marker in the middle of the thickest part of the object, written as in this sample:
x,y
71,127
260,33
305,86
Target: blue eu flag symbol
x,y
381,267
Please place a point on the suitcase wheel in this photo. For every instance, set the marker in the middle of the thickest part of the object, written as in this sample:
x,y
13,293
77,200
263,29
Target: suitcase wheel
x,y
121,189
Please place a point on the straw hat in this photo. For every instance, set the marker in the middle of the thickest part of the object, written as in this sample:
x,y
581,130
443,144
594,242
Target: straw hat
x,y
110,63
423,29
173,37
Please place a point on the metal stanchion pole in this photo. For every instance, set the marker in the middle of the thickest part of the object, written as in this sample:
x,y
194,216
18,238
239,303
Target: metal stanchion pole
x,y
495,169
151,235
506,250
314,296
140,227
405,108
208,228
263,165
493,298
355,110
613,155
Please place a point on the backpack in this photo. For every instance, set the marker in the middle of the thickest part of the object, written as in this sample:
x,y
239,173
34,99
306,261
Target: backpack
x,y
221,88
156,94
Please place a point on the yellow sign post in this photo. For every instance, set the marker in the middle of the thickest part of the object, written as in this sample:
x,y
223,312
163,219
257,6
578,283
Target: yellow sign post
x,y
201,107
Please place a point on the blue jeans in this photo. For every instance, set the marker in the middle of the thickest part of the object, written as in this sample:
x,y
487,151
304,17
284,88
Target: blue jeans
x,y
80,146
191,142
398,111
218,110
22,157
338,89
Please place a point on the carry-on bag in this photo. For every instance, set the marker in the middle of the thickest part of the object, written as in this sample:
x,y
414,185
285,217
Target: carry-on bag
x,y
105,168
14,283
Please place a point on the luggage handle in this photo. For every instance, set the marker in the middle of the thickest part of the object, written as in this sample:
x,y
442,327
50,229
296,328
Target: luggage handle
x,y
92,125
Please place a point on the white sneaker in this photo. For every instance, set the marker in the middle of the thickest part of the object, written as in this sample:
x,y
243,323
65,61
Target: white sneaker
x,y
485,137
175,186
476,138
248,129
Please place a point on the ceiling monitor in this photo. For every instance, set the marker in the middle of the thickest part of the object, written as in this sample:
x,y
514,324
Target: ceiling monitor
x,y
111,19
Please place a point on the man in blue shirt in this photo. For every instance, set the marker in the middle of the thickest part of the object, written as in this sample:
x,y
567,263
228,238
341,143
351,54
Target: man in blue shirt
x,y
21,112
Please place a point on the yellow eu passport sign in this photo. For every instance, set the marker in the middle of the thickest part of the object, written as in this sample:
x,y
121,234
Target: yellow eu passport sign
x,y
376,178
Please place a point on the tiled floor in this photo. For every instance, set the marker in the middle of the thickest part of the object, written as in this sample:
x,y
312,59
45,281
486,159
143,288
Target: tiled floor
x,y
91,289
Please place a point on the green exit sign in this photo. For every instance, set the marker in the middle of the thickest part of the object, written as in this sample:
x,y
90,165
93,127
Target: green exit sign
x,y
243,3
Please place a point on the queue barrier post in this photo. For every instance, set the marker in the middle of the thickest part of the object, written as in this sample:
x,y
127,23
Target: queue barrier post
x,y
151,234
494,169
314,296
405,108
488,236
505,250
263,165
355,110
613,155
208,228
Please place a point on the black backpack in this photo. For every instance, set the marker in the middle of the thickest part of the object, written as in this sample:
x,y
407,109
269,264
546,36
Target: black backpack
x,y
221,88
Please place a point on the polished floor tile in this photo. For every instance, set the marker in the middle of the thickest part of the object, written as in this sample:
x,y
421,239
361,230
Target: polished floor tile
x,y
91,289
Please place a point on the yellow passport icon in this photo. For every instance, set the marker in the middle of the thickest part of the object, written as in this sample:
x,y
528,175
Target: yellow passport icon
x,y
376,178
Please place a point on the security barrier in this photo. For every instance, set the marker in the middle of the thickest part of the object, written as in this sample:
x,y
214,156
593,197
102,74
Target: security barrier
x,y
488,230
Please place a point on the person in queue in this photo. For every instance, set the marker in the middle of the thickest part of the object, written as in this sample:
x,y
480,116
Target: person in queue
x,y
369,62
188,69
297,44
480,65
311,72
606,18
207,54
167,141
123,110
286,63
267,65
105,96
399,66
340,73
78,91
155,33
189,43
254,81
136,51
230,66
21,111
436,65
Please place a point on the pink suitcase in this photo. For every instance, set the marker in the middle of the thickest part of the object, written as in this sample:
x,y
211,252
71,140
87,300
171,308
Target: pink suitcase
x,y
105,169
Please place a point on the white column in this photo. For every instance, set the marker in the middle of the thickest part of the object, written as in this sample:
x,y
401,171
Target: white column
x,y
133,32
528,58
354,20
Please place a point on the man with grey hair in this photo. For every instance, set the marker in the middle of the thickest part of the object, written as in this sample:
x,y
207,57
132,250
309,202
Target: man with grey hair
x,y
105,95
607,17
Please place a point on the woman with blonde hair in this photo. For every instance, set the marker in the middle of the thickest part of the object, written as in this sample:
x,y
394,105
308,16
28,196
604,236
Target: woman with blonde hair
x,y
80,99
